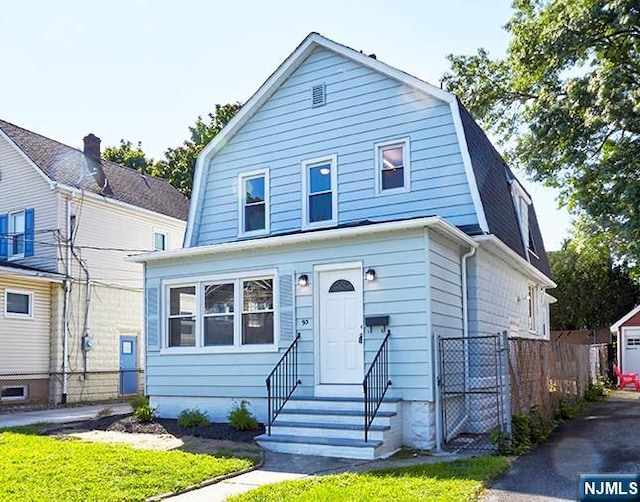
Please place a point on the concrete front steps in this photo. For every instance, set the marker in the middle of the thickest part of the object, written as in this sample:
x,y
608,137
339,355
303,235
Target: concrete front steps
x,y
334,427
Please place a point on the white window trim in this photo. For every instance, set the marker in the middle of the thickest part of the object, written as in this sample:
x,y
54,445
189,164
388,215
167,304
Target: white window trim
x,y
242,178
14,315
406,161
532,320
24,397
237,347
167,311
10,255
166,239
305,165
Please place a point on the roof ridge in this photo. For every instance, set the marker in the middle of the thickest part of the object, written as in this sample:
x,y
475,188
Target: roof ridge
x,y
114,164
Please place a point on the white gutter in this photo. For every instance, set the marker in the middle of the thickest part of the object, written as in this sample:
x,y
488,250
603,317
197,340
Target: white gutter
x,y
516,260
34,275
433,222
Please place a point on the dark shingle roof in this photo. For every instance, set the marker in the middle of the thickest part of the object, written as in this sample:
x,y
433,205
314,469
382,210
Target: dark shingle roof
x,y
494,178
69,166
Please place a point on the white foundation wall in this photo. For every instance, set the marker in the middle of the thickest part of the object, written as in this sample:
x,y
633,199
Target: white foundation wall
x,y
216,408
419,424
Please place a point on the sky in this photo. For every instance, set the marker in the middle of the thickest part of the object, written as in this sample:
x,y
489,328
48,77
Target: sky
x,y
143,70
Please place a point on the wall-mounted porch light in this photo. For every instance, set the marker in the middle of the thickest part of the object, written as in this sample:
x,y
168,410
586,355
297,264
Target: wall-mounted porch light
x,y
370,275
303,280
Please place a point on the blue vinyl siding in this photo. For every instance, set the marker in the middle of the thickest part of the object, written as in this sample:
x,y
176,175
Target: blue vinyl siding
x,y
363,108
400,290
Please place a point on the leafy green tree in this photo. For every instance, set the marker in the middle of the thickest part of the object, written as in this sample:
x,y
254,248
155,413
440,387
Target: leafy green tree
x,y
593,291
127,155
565,105
179,163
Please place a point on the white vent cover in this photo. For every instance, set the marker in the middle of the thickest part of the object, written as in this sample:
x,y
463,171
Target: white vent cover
x,y
318,95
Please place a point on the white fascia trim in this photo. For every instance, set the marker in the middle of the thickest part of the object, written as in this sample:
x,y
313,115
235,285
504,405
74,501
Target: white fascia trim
x,y
520,191
78,192
549,298
31,274
283,72
434,222
49,181
615,327
468,166
517,260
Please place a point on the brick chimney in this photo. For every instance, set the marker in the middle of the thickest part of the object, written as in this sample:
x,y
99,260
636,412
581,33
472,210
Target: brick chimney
x,y
92,146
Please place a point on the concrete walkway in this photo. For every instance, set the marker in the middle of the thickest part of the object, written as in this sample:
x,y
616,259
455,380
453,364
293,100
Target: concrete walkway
x,y
603,438
279,467
61,415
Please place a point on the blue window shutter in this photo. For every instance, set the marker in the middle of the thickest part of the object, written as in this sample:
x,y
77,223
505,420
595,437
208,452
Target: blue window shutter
x,y
4,232
153,317
29,231
287,309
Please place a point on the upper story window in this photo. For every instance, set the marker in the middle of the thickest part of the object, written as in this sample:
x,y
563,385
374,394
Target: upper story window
x,y
159,241
17,234
392,166
319,203
253,204
522,201
17,229
18,304
228,314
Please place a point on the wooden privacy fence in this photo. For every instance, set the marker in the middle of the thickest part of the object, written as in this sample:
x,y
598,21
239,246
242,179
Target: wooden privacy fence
x,y
544,374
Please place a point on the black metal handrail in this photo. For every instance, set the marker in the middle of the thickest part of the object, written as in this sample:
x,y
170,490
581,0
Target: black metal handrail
x,y
375,384
281,382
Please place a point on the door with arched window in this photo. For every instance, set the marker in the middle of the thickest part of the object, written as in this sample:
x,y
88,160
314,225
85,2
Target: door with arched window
x,y
341,360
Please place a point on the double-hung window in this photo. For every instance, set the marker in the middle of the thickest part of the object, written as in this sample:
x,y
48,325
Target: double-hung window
x,y
229,313
253,204
182,316
533,308
219,317
17,231
319,204
393,173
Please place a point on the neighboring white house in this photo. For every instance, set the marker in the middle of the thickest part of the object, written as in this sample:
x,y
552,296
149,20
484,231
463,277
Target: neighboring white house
x,y
627,330
68,213
346,200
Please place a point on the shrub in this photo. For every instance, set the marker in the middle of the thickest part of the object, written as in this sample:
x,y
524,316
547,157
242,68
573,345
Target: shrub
x,y
596,392
193,418
138,401
241,418
145,413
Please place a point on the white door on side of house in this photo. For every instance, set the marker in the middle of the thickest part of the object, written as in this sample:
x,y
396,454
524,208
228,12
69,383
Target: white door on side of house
x,y
631,362
340,330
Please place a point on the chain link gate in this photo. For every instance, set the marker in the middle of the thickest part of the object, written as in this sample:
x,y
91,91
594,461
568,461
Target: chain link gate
x,y
474,389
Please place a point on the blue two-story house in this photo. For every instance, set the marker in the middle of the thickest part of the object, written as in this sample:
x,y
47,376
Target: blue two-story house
x,y
346,201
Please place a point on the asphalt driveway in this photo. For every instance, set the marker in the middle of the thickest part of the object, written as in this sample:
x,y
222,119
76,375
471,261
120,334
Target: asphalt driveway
x,y
603,438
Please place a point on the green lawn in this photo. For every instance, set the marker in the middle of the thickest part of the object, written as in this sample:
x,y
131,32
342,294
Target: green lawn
x,y
42,468
447,481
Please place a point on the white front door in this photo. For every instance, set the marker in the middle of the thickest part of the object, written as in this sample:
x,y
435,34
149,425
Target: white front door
x,y
631,348
341,359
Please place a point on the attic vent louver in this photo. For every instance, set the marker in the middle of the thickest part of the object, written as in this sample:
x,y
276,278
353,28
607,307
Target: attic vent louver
x,y
318,95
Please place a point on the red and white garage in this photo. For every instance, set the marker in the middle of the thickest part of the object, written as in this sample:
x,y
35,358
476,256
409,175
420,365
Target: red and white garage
x,y
628,331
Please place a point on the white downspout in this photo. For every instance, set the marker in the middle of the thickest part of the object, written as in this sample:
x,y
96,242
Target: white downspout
x,y
67,296
465,332
465,293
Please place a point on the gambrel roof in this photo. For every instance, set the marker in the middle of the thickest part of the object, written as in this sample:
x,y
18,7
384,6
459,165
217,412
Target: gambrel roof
x,y
489,177
70,167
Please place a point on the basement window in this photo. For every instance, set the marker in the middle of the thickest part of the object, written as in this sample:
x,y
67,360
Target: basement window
x,y
14,392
